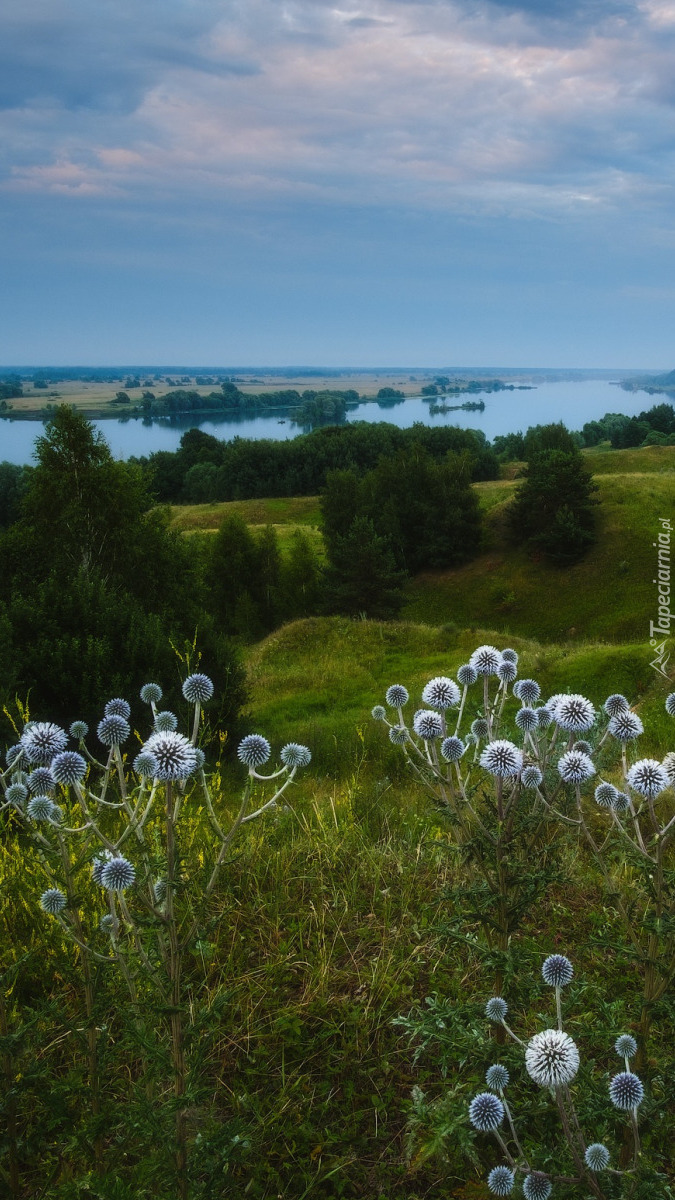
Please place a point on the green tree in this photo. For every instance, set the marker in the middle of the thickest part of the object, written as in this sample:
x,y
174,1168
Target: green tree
x,y
362,575
553,512
233,579
268,579
301,578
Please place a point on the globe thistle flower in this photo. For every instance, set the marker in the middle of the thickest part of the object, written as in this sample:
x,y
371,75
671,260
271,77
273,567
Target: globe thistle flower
x,y
620,802
113,730
486,1112
396,695
200,758
626,1090
625,726
615,704
557,970
648,777
378,713
510,656
500,1181
585,747
151,693
40,781
428,724
544,717
496,1009
668,765
470,739
106,924
596,1157
467,675
118,875
13,754
174,755
145,764
68,767
398,736
497,1077
79,730
98,865
166,722
502,758
626,1046
605,795
575,767
17,794
53,901
507,671
536,1186
40,808
527,690
295,755
254,750
480,728
197,688
117,708
452,749
56,815
553,701
551,1058
441,692
485,660
531,777
41,740
670,704
526,719
574,713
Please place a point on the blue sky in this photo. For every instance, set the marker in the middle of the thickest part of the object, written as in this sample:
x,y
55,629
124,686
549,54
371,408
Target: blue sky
x,y
379,182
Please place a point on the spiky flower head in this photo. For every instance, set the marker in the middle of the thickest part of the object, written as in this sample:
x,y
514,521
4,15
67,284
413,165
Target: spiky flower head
x,y
398,736
526,719
118,875
428,724
615,704
668,765
531,776
625,726
396,695
621,802
198,688
510,656
117,708
496,1009
574,713
575,767
527,691
41,740
13,753
497,1077
467,675
40,808
106,924
17,794
113,730
200,757
378,713
68,767
551,1058
486,1112
441,692
145,764
485,660
295,755
626,1090
626,1046
254,750
585,747
79,730
151,693
557,970
536,1186
98,864
480,727
174,754
56,814
53,901
507,671
670,704
502,758
544,717
648,777
605,794
596,1156
501,1180
452,748
40,781
166,721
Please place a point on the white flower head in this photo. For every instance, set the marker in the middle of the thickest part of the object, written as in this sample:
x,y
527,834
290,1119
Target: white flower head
x,y
551,1058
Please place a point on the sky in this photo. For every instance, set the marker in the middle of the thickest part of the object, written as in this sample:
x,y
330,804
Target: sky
x,y
383,182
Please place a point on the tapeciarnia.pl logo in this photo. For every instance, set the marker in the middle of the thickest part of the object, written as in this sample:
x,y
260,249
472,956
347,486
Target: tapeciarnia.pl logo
x,y
659,630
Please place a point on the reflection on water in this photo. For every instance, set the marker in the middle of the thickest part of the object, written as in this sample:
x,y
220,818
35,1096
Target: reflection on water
x,y
504,412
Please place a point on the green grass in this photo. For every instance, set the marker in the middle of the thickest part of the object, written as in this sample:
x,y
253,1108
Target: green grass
x,y
292,510
643,459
